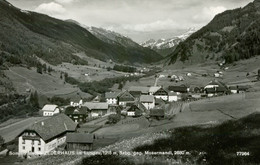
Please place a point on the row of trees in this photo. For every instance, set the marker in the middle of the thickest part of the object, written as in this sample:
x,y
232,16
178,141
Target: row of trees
x,y
123,68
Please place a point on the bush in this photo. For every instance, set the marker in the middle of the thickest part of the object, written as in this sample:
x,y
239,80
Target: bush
x,y
114,118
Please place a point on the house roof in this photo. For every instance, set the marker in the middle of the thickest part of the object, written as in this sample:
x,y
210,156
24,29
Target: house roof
x,y
157,112
98,105
52,127
110,95
74,110
79,138
126,96
139,88
154,89
233,88
147,98
172,93
181,89
161,91
49,107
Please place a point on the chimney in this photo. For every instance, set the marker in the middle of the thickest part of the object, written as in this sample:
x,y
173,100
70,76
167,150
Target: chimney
x,y
42,123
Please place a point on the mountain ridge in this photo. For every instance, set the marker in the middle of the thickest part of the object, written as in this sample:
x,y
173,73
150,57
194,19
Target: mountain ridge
x,y
230,36
56,41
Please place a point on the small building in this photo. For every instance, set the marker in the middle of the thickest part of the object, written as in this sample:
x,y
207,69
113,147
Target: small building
x,y
148,101
78,115
45,136
136,110
96,109
172,96
136,91
242,89
112,97
179,89
161,94
157,113
50,110
126,99
79,142
216,88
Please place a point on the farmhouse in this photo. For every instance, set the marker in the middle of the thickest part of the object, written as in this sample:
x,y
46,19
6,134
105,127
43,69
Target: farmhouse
x,y
136,91
50,110
96,109
233,89
78,115
46,135
136,110
161,94
148,101
215,88
172,96
179,89
79,142
112,97
126,99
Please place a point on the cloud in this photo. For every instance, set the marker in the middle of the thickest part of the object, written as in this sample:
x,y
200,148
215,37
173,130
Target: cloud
x,y
64,1
153,26
208,13
51,8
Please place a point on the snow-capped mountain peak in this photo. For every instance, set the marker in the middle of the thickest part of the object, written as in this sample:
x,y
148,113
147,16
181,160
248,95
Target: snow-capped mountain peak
x,y
168,43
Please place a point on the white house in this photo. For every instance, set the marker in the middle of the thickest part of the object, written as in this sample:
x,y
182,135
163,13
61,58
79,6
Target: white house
x,y
161,94
50,110
111,98
45,136
172,96
148,101
97,109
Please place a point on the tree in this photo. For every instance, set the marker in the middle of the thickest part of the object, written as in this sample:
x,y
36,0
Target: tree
x,y
39,68
258,76
44,67
60,75
49,69
34,99
113,119
2,141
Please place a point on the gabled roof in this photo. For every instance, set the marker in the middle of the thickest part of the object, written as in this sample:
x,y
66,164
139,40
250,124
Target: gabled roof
x,y
49,107
126,96
172,93
111,95
181,89
233,88
161,91
139,88
52,127
154,89
79,138
98,105
147,98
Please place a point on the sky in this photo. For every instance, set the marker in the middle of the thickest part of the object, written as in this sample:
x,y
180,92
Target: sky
x,y
140,20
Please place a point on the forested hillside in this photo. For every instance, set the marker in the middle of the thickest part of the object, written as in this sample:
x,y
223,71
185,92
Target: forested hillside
x,y
230,36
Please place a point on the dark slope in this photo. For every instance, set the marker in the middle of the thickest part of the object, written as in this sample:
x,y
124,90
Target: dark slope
x,y
55,40
231,35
